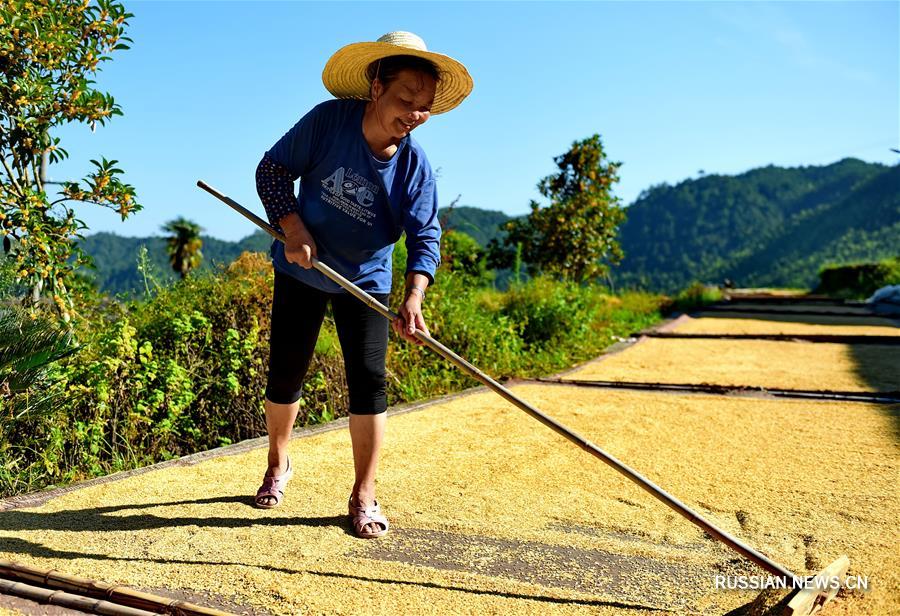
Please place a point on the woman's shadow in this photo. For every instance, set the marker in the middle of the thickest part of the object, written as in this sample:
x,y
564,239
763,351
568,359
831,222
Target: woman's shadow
x,y
95,519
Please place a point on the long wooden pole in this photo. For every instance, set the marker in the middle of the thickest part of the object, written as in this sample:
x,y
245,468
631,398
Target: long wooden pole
x,y
115,593
734,543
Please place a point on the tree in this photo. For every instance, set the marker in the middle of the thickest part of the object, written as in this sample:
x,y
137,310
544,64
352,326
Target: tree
x,y
183,245
460,252
49,50
575,236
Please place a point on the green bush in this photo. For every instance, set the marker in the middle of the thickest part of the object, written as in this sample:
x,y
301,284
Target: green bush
x,y
527,331
695,296
461,253
549,310
181,372
455,316
858,280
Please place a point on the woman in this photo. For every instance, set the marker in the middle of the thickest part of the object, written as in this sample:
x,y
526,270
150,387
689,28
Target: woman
x,y
363,181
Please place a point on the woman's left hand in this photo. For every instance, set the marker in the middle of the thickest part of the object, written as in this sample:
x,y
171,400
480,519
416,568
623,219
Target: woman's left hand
x,y
410,319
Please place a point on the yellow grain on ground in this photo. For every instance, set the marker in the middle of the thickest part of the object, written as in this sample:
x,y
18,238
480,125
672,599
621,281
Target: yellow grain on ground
x,y
494,513
791,325
760,363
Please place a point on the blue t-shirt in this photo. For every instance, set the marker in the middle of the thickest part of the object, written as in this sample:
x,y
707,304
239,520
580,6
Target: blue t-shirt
x,y
355,205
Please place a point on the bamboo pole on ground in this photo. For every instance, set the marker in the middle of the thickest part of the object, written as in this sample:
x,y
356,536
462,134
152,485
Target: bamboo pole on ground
x,y
123,595
69,600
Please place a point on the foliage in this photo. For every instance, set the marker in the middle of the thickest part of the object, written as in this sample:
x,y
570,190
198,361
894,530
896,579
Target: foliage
x,y
530,330
179,373
460,252
858,280
183,245
175,362
49,52
29,346
148,273
184,370
550,312
694,296
575,236
771,226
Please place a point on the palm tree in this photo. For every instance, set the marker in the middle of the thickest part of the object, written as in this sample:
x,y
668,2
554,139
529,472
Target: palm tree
x,y
29,391
183,245
26,352
27,348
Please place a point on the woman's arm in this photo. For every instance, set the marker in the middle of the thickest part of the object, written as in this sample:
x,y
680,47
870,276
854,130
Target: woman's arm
x,y
287,160
423,241
275,188
411,319
423,232
276,191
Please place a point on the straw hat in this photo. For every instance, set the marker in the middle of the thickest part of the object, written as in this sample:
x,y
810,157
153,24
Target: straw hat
x,y
345,71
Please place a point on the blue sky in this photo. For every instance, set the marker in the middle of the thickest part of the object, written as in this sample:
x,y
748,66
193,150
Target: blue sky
x,y
671,87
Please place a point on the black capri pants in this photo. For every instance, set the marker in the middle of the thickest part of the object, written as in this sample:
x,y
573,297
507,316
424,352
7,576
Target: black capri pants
x,y
297,313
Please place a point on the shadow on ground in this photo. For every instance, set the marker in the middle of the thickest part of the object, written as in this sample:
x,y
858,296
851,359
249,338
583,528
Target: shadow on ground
x,y
20,546
591,571
93,519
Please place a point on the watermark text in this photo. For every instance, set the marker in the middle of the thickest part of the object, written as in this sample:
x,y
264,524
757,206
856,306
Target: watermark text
x,y
767,582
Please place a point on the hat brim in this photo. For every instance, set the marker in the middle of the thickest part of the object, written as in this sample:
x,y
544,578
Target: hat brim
x,y
345,73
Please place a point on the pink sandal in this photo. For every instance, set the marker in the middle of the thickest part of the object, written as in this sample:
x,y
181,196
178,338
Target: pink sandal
x,y
361,516
273,487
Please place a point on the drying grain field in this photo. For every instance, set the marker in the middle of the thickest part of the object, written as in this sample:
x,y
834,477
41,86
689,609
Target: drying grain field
x,y
493,513
759,363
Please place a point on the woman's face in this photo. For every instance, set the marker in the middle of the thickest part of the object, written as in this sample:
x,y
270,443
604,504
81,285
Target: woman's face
x,y
405,103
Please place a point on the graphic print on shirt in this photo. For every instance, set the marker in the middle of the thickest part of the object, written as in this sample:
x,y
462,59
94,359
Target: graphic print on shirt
x,y
351,193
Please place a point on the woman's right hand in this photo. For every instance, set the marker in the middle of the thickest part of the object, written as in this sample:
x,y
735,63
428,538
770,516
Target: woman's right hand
x,y
299,245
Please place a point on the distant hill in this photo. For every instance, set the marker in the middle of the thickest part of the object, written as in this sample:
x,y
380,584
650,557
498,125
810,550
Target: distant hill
x,y
115,256
771,226
483,225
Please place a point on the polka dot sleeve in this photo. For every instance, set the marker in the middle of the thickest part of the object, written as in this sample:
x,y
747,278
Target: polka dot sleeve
x,y
276,189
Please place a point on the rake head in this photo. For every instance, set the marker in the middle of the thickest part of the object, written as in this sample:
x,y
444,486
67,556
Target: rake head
x,y
821,590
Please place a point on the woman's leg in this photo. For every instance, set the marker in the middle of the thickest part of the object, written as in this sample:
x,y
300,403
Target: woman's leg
x,y
280,420
364,335
297,313
366,434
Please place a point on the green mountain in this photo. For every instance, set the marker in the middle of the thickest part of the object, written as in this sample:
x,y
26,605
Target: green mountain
x,y
116,257
483,225
771,226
